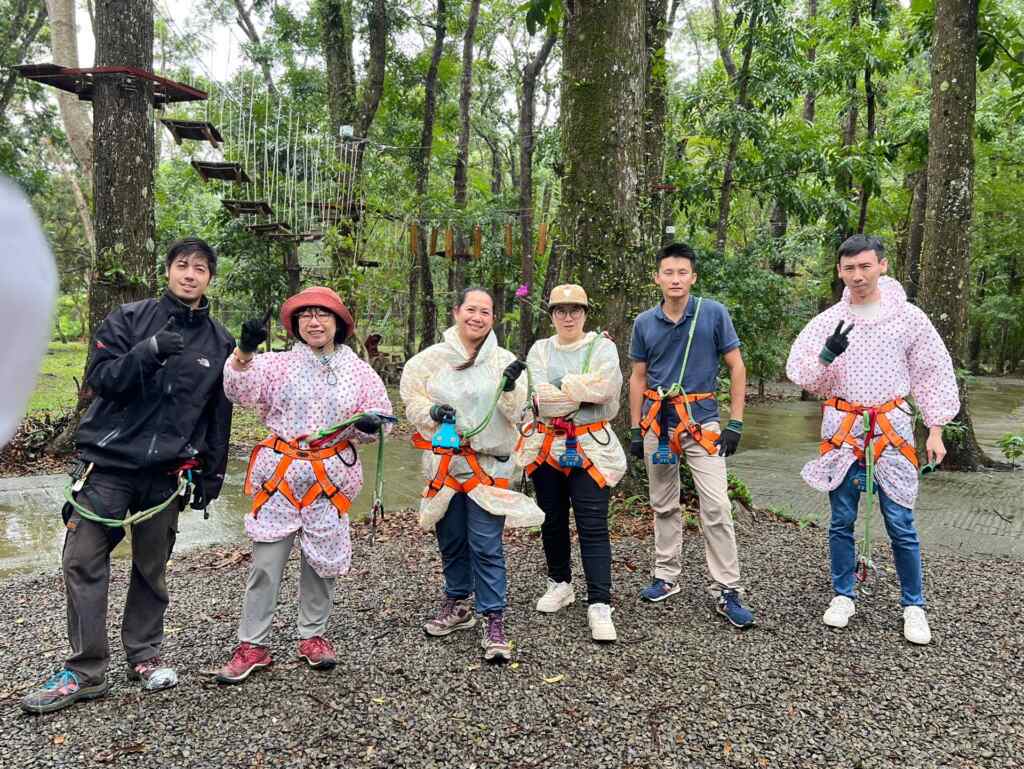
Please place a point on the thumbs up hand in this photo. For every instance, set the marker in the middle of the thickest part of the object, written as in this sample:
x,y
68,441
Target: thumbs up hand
x,y
167,342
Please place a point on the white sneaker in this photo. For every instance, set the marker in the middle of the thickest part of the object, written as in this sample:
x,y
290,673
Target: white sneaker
x,y
557,596
839,612
915,626
599,615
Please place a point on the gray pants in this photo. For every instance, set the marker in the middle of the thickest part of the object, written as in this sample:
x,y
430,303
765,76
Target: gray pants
x,y
711,481
86,566
316,594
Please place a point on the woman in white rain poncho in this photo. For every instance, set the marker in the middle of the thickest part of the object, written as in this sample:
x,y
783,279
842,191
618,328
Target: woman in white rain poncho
x,y
452,386
572,455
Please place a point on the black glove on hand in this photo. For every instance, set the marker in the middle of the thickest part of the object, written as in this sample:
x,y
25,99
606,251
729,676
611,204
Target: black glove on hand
x,y
511,374
729,440
442,413
199,498
167,342
369,424
254,333
836,344
636,442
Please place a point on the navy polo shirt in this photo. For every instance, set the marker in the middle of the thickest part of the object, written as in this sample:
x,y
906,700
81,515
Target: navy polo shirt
x,y
660,342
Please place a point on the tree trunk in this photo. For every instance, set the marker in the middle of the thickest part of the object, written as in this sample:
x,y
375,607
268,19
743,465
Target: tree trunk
x,y
123,189
869,99
779,225
64,47
422,166
811,97
498,274
462,158
22,32
373,83
602,144
291,267
945,253
336,35
526,141
655,110
259,56
915,232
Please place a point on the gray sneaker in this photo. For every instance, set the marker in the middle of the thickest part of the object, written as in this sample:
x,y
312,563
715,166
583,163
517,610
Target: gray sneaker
x,y
63,688
495,644
455,614
153,674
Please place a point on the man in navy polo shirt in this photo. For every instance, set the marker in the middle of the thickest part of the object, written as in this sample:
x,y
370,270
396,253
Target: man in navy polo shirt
x,y
676,349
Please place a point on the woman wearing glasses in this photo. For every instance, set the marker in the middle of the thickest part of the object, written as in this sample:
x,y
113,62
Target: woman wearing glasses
x,y
304,475
572,455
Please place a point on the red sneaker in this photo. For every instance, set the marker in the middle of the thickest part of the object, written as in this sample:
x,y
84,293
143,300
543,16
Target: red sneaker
x,y
246,658
318,652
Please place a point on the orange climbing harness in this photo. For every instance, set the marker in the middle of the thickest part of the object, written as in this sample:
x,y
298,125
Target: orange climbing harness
x,y
443,476
879,424
706,438
544,456
291,451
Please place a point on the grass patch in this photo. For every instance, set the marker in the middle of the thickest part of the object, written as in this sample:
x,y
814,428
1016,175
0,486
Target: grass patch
x,y
55,388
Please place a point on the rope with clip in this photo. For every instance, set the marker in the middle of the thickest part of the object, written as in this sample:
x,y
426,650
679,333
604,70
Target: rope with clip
x,y
864,562
184,490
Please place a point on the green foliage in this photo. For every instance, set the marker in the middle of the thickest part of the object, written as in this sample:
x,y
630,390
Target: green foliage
x,y
1012,447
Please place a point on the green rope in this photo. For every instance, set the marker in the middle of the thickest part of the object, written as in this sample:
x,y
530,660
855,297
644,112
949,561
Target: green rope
x,y
677,388
131,520
590,351
869,487
490,412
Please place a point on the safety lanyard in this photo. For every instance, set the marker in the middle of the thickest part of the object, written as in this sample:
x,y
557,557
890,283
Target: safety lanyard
x,y
677,388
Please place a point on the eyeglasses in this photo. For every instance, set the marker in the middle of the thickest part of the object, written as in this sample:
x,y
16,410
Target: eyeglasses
x,y
316,312
569,312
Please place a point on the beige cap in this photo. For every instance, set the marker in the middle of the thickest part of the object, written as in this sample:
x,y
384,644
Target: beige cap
x,y
570,293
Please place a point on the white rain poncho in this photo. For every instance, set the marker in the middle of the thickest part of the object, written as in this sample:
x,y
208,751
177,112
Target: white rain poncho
x,y
429,379
561,389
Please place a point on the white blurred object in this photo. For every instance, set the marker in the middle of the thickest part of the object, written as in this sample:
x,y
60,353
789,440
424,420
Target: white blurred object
x,y
28,295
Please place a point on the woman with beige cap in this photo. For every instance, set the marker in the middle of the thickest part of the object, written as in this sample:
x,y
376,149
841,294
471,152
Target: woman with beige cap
x,y
571,453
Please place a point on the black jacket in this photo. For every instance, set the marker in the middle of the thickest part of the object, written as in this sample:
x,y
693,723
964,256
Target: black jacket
x,y
149,415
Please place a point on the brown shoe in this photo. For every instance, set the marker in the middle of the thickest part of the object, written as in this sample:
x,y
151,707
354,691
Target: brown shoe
x,y
495,644
455,614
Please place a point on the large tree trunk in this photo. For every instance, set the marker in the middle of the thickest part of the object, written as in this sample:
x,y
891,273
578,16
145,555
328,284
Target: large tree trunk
x,y
336,35
422,165
946,251
602,144
123,192
526,142
915,232
655,110
462,158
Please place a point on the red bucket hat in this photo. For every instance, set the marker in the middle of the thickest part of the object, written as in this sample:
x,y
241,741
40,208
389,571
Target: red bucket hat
x,y
316,296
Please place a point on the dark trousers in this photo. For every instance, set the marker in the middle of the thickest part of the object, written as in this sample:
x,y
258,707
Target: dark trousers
x,y
555,493
86,565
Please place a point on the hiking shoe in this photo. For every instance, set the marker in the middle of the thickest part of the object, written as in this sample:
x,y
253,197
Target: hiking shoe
x,y
839,611
557,596
729,606
245,658
153,674
63,688
599,616
658,590
318,652
915,626
495,644
455,615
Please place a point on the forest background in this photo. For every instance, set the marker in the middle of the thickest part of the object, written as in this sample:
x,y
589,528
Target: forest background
x,y
520,145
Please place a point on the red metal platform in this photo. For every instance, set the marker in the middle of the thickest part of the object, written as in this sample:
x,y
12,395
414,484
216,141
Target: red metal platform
x,y
82,81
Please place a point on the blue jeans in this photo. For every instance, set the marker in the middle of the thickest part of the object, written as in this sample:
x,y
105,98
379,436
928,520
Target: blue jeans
x,y
899,522
472,555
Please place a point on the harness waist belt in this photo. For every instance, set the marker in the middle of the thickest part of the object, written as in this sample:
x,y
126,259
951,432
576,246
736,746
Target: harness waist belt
x,y
290,452
443,476
705,438
544,456
888,437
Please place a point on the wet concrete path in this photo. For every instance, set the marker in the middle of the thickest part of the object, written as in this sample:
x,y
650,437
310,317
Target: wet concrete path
x,y
970,513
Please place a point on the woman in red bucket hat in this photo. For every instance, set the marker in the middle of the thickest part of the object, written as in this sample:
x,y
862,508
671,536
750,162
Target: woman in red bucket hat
x,y
301,480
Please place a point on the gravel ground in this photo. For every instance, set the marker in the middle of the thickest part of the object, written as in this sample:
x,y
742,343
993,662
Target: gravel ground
x,y
681,689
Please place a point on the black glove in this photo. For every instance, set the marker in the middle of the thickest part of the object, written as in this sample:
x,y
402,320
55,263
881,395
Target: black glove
x,y
167,342
369,424
836,344
204,488
636,442
511,374
254,333
442,413
729,440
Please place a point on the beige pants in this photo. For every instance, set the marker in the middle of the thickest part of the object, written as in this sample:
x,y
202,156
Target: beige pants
x,y
709,476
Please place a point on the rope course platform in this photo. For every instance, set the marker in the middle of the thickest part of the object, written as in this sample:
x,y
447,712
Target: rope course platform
x,y
195,130
226,172
247,207
82,81
271,229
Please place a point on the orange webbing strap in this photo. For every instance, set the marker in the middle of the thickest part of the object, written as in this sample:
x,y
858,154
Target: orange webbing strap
x,y
705,438
544,455
443,475
889,436
290,452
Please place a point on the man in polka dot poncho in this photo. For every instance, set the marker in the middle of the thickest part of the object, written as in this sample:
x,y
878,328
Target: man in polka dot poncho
x,y
870,349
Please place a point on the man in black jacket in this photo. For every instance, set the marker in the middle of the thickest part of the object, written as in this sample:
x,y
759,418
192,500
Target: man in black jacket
x,y
159,416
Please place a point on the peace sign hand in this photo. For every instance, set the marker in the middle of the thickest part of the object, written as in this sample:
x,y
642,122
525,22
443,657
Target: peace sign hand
x,y
836,344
